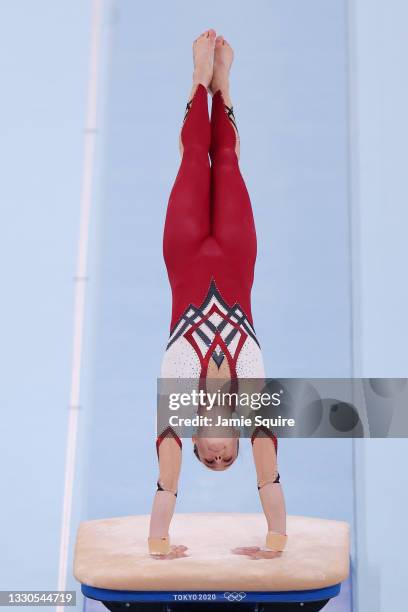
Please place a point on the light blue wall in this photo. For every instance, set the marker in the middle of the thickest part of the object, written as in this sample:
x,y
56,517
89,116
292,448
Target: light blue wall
x,y
379,97
379,136
44,66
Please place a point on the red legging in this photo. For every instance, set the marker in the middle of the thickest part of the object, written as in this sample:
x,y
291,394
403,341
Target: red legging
x,y
209,233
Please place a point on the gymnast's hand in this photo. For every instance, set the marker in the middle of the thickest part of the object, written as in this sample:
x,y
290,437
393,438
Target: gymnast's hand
x,y
176,552
254,552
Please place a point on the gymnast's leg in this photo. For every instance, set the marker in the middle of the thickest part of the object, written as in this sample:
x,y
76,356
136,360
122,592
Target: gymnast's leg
x,y
188,213
232,219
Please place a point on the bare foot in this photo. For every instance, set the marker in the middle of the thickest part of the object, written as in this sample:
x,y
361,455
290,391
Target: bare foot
x,y
223,58
254,552
176,552
203,55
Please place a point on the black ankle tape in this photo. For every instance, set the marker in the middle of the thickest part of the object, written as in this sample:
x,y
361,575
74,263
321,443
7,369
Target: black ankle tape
x,y
188,106
230,115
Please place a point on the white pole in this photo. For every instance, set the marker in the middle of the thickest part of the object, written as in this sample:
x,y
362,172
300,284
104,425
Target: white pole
x,y
80,289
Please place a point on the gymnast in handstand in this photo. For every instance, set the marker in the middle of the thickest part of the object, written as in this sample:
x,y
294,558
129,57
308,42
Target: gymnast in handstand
x,y
210,250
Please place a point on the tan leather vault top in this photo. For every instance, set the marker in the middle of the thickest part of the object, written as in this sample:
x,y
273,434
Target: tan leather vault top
x,y
112,554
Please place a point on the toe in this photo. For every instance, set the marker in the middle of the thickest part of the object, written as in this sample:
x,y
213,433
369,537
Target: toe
x,y
211,33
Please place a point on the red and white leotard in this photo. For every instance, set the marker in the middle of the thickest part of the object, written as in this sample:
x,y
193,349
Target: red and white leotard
x,y
213,334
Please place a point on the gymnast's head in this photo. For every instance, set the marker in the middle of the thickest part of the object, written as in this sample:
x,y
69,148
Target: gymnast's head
x,y
217,454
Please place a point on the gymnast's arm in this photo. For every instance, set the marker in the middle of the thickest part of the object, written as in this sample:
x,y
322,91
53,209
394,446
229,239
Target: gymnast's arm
x,y
270,491
169,453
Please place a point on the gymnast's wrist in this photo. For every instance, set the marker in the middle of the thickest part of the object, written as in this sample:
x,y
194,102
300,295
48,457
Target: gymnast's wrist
x,y
159,545
275,541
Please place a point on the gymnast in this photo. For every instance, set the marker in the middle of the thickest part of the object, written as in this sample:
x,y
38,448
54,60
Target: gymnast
x,y
209,249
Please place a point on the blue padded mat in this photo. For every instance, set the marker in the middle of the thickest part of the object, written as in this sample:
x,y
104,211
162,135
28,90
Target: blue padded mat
x,y
210,596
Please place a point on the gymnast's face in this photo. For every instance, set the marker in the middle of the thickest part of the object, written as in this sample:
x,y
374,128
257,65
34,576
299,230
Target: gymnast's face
x,y
216,453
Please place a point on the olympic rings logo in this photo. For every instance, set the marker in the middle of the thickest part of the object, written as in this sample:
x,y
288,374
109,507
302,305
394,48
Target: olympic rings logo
x,y
234,596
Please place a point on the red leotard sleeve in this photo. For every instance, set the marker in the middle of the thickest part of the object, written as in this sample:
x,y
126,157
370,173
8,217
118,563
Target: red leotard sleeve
x,y
167,433
265,432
